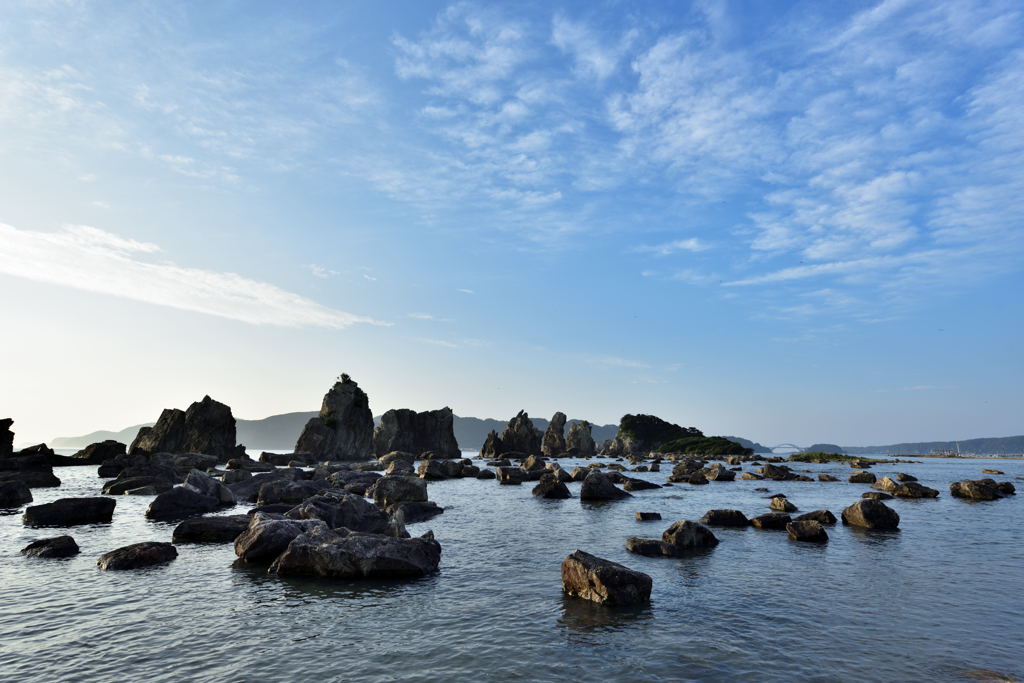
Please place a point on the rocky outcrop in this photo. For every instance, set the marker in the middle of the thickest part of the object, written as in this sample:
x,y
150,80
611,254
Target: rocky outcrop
x,y
217,529
70,511
410,512
418,433
807,531
871,514
60,546
553,443
206,427
199,494
338,509
391,489
551,487
33,470
96,453
597,487
14,494
981,489
6,438
345,554
511,476
724,518
579,442
267,536
138,555
604,582
519,436
777,472
294,492
344,428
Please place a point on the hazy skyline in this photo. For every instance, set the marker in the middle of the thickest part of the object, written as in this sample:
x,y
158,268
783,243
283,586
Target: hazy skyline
x,y
784,221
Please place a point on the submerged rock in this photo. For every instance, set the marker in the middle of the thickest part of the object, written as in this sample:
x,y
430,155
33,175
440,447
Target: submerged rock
x,y
344,428
602,581
871,514
216,529
862,478
137,555
679,539
775,521
826,477
820,516
70,512
344,554
551,487
911,489
648,516
724,518
60,546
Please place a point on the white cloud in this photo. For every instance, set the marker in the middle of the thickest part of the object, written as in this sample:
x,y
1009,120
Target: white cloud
x,y
691,244
428,316
465,291
94,260
321,271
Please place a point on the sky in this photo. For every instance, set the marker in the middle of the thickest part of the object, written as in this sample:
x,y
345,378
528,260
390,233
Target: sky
x,y
790,221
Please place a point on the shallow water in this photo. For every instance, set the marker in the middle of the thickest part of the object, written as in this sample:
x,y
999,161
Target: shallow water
x,y
941,597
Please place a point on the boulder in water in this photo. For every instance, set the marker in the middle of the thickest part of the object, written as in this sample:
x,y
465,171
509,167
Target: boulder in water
x,y
579,441
775,521
406,430
342,510
392,489
14,494
819,516
602,581
724,518
553,442
551,487
344,554
807,530
96,453
210,529
206,427
871,514
267,536
138,555
70,511
648,516
862,478
597,486
410,512
981,489
59,546
911,489
781,504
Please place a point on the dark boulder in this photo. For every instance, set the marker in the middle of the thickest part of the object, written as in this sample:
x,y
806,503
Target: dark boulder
x,y
553,442
344,428
406,430
911,489
724,518
551,487
35,471
410,512
267,536
14,494
719,474
70,512
597,486
249,489
648,516
632,484
981,489
877,495
684,536
138,555
199,494
207,427
903,476
342,510
775,521
808,531
60,546
396,489
6,438
604,582
819,516
862,478
511,476
871,514
781,504
123,485
282,491
826,477
96,453
215,529
519,436
344,554
777,472
579,441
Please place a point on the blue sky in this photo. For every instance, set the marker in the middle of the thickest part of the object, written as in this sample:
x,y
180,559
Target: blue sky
x,y
787,221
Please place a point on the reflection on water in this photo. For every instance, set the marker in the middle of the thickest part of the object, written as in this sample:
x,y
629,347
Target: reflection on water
x,y
584,616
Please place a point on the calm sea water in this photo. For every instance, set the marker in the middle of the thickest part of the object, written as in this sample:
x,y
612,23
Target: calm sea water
x,y
940,598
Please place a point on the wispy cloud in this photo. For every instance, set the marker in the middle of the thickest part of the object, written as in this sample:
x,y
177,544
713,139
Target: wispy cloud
x,y
428,316
465,291
690,244
615,362
322,272
94,260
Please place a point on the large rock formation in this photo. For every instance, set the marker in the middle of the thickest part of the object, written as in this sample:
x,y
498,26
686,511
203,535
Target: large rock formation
x,y
519,436
344,554
344,428
406,430
641,434
579,442
553,442
207,427
602,581
6,438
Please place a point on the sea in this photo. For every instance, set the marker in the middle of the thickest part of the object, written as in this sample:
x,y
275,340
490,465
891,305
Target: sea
x,y
942,599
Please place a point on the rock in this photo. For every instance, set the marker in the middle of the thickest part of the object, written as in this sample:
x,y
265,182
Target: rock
x,y
511,476
724,518
199,494
604,582
553,442
96,453
782,504
683,470
871,514
579,441
213,529
123,485
486,474
401,468
282,491
877,495
903,476
249,489
519,437
342,510
207,427
137,555
820,516
407,430
862,478
236,476
60,546
344,428
802,477
551,487
720,474
6,438
912,489
34,471
885,484
268,536
981,489
342,554
777,472
432,470
14,494
491,447
989,470
648,516
410,512
632,484
684,536
534,464
750,475
808,530
776,521
597,487
698,478
395,489
70,512
826,477
648,547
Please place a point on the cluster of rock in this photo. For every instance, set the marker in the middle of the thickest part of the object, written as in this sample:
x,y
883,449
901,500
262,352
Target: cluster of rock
x,y
430,434
680,538
22,471
982,489
206,427
520,439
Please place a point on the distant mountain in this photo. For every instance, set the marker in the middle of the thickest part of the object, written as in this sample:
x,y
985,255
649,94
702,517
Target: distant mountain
x,y
1005,445
825,448
279,432
747,443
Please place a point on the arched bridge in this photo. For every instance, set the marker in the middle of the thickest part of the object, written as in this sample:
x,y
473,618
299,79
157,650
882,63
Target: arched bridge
x,y
791,446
